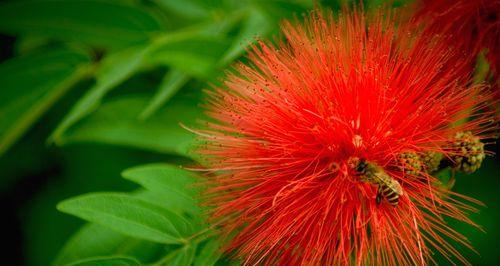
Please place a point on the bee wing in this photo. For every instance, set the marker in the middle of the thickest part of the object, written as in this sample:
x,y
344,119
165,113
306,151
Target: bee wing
x,y
390,182
394,185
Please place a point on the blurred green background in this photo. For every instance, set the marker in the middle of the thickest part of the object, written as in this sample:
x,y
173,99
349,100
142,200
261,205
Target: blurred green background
x,y
90,88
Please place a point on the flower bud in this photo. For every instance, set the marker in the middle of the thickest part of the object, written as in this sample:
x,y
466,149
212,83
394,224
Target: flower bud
x,y
410,163
468,152
431,160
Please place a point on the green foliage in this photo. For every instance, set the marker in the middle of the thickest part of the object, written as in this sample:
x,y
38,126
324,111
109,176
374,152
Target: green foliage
x,y
107,261
196,54
209,254
101,23
189,8
197,42
163,212
164,181
172,82
117,122
114,69
127,215
31,84
255,24
96,241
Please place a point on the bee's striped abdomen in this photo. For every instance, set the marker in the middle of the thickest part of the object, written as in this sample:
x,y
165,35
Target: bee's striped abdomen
x,y
391,195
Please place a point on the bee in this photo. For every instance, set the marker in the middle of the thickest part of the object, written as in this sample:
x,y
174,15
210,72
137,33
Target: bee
x,y
372,173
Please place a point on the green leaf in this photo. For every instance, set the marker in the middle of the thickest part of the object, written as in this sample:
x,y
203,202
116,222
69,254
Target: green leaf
x,y
103,23
116,123
93,240
127,215
255,25
195,55
192,218
172,82
186,8
115,69
175,185
209,253
180,257
286,9
184,257
31,85
107,261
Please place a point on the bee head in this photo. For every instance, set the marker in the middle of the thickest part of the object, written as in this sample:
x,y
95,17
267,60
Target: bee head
x,y
361,166
358,164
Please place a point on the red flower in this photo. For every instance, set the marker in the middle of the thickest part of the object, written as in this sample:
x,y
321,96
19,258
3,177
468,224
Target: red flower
x,y
287,127
470,25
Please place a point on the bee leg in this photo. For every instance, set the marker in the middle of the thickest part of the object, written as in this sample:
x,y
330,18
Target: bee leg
x,y
378,199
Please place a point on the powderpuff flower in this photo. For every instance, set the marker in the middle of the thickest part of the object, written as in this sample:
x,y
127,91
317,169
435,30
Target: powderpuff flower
x,y
286,127
470,25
